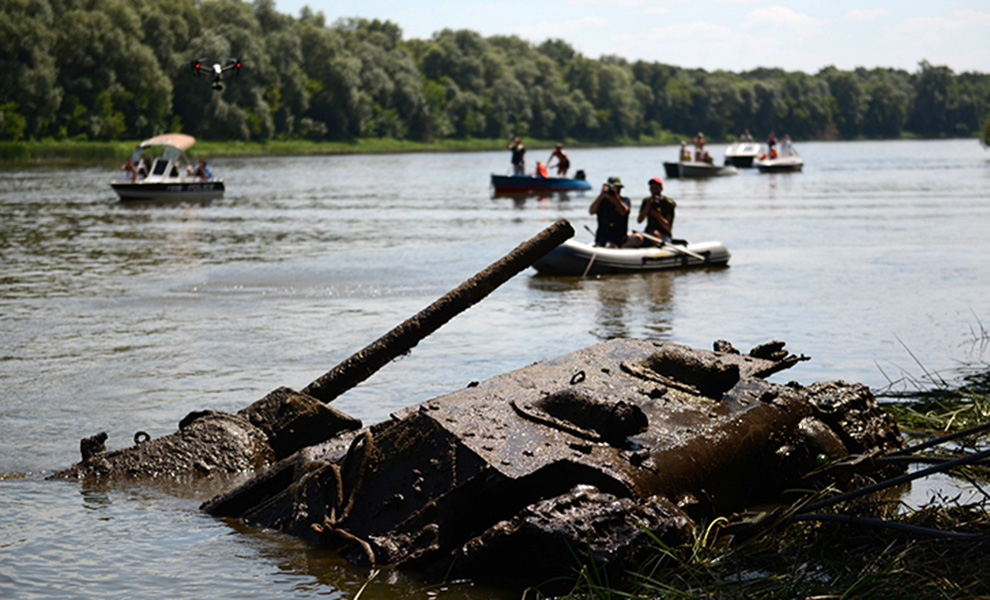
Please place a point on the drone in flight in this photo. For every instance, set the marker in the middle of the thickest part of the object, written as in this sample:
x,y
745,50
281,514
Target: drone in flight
x,y
216,71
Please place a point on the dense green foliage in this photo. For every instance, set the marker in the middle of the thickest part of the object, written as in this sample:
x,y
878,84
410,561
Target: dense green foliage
x,y
116,69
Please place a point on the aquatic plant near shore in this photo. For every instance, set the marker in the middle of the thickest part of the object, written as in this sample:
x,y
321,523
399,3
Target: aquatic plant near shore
x,y
846,557
813,560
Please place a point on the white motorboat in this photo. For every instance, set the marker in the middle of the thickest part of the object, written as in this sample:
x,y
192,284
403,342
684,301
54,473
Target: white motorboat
x,y
742,153
577,258
788,160
170,174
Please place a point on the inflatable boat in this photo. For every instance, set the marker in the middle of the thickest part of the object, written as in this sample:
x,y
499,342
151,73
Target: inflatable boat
x,y
578,258
534,184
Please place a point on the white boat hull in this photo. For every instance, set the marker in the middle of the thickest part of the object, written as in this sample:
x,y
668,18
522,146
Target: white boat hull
x,y
577,258
186,189
703,169
779,165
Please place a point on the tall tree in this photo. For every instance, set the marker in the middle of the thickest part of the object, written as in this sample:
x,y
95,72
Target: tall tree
x,y
849,99
929,116
107,69
29,89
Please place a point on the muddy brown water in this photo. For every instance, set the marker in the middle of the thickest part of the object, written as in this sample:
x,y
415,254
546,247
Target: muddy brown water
x,y
123,318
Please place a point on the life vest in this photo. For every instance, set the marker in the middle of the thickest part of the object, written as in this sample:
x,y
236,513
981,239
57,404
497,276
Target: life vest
x,y
541,171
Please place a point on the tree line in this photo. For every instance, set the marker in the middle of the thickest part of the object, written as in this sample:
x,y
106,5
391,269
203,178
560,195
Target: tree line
x,y
119,69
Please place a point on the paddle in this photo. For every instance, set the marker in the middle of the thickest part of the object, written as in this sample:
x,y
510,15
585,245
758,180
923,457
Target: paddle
x,y
674,247
594,255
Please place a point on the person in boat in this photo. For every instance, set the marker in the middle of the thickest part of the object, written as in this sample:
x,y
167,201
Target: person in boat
x,y
518,156
772,145
786,148
541,171
129,171
746,136
685,152
658,212
202,171
611,209
144,168
563,163
699,146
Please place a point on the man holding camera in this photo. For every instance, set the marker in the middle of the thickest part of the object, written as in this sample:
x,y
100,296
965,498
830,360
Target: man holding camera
x,y
612,210
658,212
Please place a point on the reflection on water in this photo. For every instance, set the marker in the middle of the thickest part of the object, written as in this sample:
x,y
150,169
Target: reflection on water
x,y
622,300
165,203
635,305
125,317
612,308
541,199
315,570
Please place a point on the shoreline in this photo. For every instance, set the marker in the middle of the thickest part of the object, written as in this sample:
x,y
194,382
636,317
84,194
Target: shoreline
x,y
49,152
62,152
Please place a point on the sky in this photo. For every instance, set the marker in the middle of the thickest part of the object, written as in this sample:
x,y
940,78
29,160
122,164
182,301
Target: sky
x,y
731,35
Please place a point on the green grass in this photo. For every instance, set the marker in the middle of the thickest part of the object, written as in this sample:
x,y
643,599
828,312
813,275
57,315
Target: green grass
x,y
48,151
809,560
81,152
928,403
827,560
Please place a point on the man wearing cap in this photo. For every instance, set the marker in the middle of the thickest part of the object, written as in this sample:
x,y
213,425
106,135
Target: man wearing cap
x,y
658,212
612,210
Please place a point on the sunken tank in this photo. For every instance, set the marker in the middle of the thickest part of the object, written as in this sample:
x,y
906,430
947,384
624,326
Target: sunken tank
x,y
584,454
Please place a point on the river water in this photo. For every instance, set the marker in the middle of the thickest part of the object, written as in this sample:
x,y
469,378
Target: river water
x,y
114,317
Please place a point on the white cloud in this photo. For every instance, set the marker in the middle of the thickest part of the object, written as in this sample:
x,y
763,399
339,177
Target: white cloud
x,y
687,45
957,39
564,28
971,18
867,14
941,31
780,17
691,32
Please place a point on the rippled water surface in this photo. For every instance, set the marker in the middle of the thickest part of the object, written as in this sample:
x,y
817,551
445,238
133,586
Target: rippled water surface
x,y
118,318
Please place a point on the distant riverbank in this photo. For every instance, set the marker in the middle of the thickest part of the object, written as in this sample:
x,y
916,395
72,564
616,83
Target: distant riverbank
x,y
81,152
78,152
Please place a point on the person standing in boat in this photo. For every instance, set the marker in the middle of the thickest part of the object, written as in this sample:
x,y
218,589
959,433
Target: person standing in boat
x,y
518,156
563,163
129,170
771,146
746,136
699,146
786,146
612,211
658,212
144,167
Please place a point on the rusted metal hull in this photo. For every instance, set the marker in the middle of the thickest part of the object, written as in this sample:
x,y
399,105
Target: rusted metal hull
x,y
582,451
